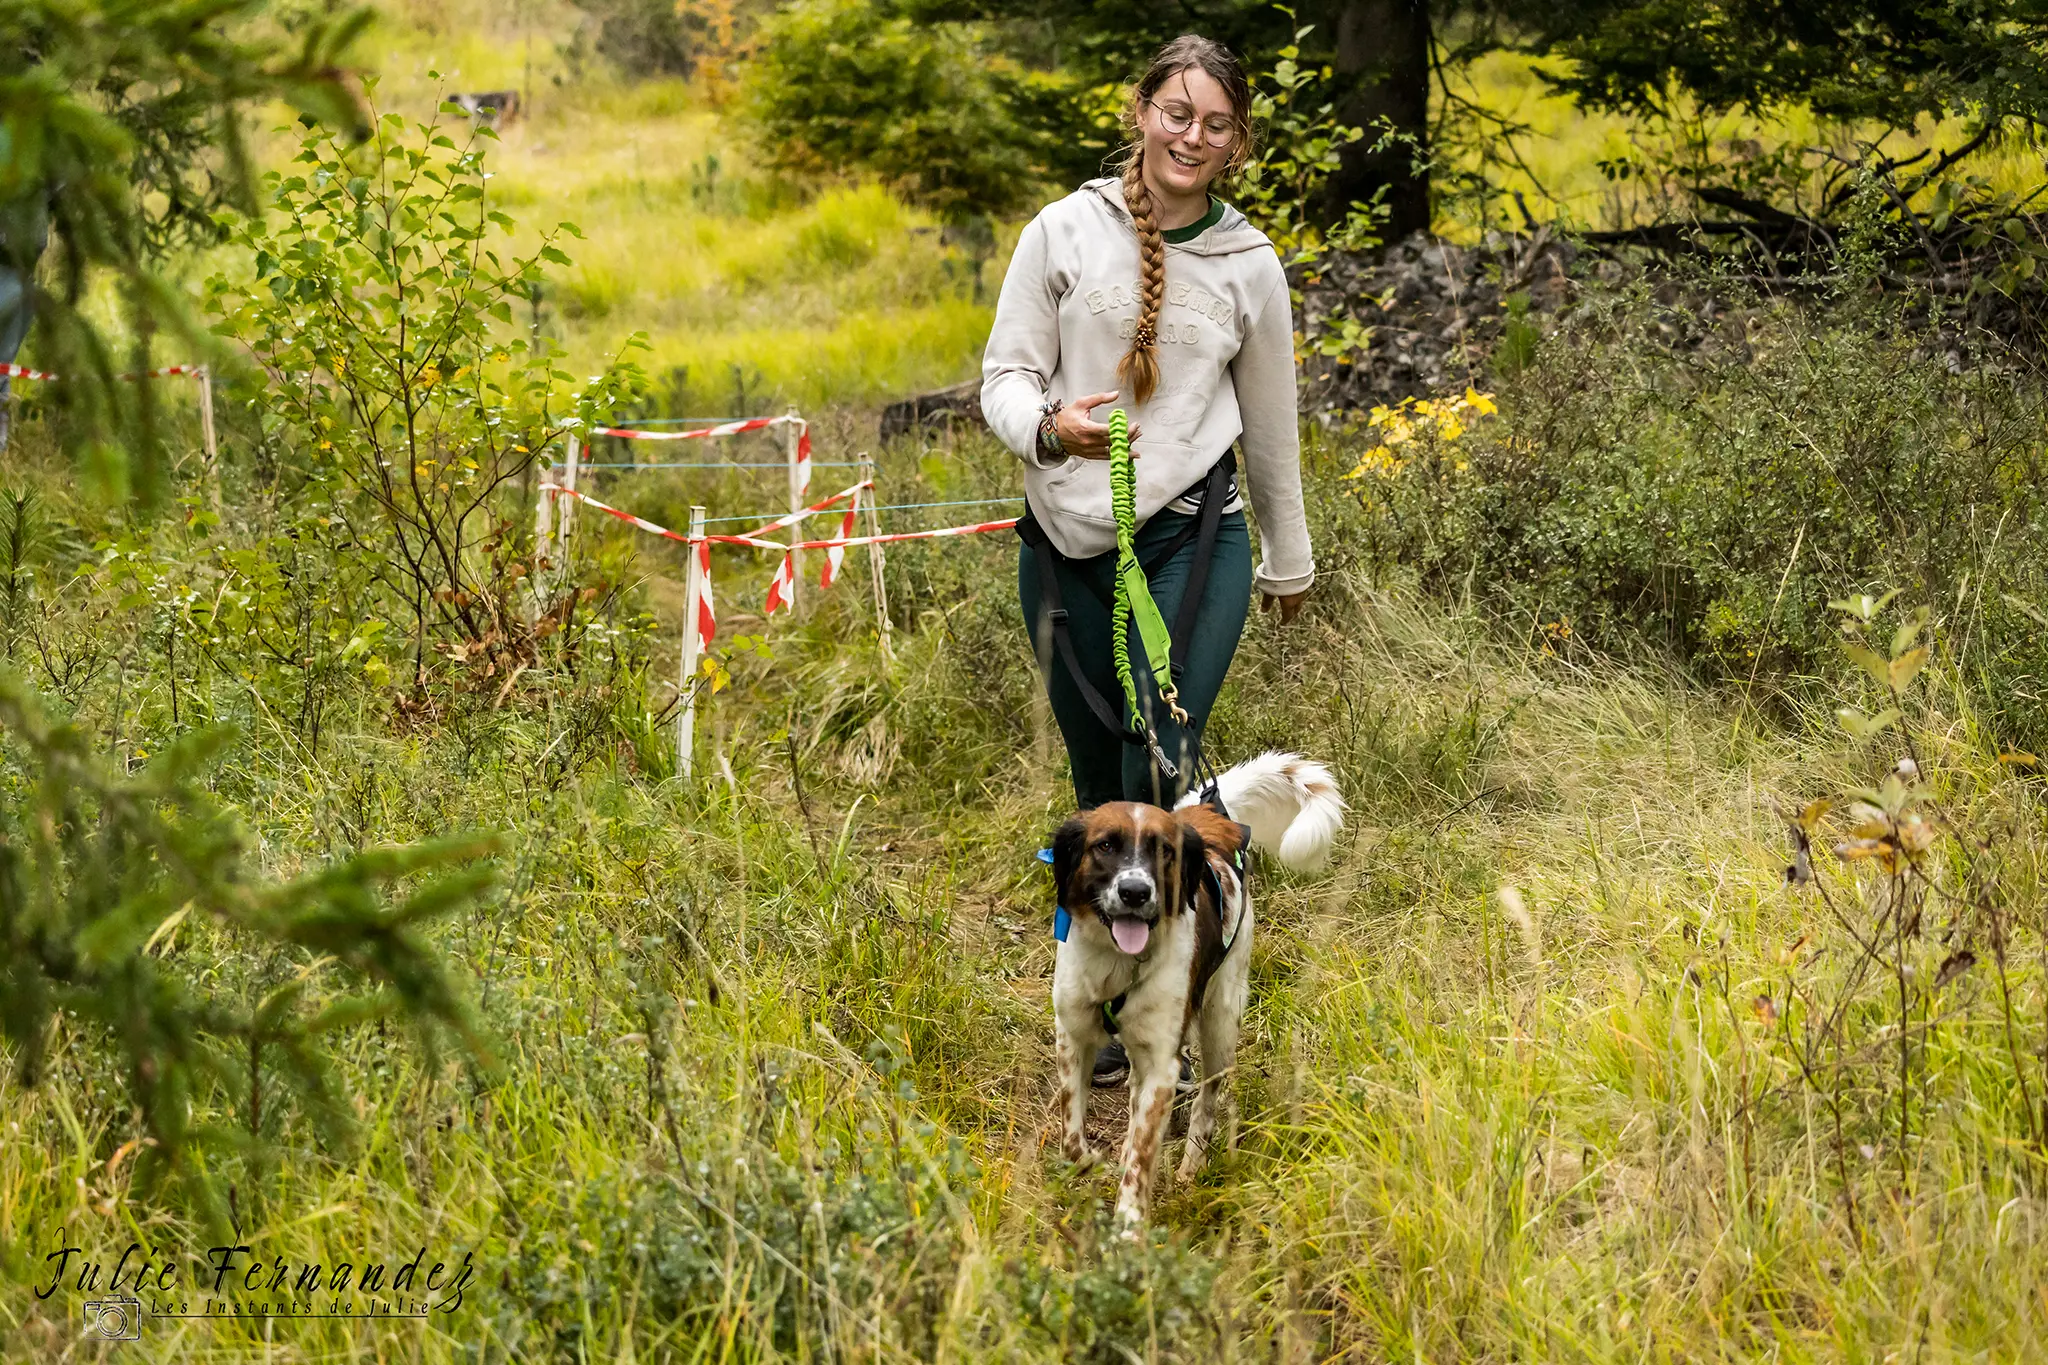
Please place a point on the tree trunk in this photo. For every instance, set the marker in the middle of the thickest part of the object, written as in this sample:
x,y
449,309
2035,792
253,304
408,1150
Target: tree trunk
x,y
1382,69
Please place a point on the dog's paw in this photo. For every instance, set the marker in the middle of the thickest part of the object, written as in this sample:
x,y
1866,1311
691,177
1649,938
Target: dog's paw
x,y
1085,1156
1191,1165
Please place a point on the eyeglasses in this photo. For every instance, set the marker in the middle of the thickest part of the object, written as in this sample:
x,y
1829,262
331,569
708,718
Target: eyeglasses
x,y
1217,132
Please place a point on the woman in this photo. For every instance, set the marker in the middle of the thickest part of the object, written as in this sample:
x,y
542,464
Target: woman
x,y
1145,292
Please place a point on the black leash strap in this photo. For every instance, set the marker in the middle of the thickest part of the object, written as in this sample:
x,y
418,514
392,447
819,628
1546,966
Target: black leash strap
x,y
1063,639
1205,551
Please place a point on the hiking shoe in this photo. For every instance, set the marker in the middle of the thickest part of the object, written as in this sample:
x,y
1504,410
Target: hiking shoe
x,y
1185,1083
1112,1066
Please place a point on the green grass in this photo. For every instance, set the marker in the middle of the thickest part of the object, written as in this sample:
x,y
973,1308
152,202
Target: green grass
x,y
744,285
728,1016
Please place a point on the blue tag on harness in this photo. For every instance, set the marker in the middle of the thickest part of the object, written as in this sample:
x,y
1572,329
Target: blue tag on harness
x,y
1061,920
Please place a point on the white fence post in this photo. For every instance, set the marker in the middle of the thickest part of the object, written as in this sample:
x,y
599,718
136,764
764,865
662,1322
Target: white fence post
x,y
209,439
543,512
567,511
876,558
693,588
792,434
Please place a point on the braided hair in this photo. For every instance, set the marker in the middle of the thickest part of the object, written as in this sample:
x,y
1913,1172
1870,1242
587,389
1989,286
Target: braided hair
x,y
1138,371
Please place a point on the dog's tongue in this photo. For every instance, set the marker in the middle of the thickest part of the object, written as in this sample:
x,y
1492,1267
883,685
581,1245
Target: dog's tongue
x,y
1131,935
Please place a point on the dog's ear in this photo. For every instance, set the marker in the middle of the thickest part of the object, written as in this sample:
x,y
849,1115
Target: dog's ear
x,y
1194,856
1067,845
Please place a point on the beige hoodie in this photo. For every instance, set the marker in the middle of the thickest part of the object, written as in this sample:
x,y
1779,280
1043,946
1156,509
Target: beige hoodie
x,y
1226,369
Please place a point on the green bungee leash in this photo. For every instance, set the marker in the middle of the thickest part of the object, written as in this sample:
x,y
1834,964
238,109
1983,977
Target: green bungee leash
x,y
1134,594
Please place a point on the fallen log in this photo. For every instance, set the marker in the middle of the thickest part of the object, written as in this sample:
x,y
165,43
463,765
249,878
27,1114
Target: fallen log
x,y
939,410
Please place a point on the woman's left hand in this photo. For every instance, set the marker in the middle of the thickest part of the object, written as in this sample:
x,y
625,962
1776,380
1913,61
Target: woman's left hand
x,y
1289,603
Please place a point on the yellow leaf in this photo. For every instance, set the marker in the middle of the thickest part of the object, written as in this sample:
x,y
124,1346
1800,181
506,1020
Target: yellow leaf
x,y
1810,814
1906,666
1862,726
1869,661
167,928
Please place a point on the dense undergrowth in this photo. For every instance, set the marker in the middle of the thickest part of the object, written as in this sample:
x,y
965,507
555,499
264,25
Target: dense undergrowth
x,y
1699,471
762,1070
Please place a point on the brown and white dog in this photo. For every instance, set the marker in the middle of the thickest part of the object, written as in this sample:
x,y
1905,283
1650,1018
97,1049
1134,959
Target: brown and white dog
x,y
1161,930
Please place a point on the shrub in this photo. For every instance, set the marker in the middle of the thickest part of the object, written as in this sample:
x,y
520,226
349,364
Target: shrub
x,y
1708,498
400,403
103,874
839,86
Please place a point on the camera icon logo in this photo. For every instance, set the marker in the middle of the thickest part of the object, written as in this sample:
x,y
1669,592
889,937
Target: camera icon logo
x,y
113,1319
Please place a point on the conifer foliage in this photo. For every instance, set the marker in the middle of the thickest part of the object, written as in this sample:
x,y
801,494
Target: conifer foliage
x,y
105,876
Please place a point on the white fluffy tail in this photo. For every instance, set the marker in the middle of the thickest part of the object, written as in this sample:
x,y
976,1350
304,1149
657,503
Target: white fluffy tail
x,y
1290,802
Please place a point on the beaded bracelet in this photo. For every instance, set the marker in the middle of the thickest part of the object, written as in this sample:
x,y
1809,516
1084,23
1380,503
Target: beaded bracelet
x,y
1048,430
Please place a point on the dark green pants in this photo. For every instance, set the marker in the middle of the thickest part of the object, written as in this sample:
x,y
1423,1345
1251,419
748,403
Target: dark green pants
x,y
1105,768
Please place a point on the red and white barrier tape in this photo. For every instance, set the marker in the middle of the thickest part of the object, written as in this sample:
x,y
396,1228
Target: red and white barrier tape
x,y
780,587
793,518
759,544
723,429
803,439
785,573
837,555
849,543
707,620
24,372
653,528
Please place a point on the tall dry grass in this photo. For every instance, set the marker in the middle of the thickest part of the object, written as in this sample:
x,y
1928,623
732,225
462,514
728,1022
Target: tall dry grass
x,y
776,1049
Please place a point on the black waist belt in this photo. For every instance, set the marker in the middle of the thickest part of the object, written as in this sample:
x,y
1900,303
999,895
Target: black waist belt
x,y
1202,529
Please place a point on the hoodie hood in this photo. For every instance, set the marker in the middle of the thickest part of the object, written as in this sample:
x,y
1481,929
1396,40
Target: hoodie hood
x,y
1231,234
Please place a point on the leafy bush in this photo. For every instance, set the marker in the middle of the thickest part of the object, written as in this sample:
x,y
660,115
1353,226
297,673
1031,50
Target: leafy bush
x,y
840,85
400,405
1298,151
662,37
1150,1299
123,134
1709,497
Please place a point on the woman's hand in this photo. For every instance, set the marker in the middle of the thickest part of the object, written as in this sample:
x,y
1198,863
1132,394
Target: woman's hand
x,y
1290,605
1080,434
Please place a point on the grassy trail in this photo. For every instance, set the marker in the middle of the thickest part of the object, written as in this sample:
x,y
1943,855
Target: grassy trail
x,y
775,1051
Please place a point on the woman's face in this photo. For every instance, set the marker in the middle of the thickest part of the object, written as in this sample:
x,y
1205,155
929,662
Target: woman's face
x,y
1183,163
